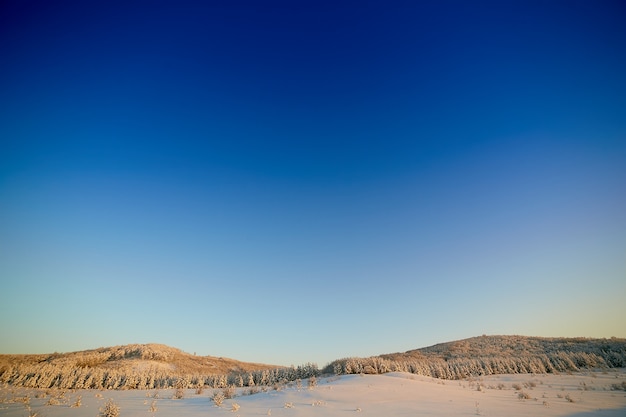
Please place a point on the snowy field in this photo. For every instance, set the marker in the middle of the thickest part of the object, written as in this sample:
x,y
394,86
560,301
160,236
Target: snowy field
x,y
588,393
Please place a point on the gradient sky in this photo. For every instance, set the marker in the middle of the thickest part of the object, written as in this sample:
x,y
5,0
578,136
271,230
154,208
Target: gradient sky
x,y
285,182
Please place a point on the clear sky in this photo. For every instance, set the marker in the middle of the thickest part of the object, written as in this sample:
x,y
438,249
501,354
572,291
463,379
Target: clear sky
x,y
286,182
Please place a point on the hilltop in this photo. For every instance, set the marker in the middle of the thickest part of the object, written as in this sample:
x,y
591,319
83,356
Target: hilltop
x,y
514,346
489,355
137,357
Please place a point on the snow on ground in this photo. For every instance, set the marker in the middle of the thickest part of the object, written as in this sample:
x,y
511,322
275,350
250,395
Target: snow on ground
x,y
582,394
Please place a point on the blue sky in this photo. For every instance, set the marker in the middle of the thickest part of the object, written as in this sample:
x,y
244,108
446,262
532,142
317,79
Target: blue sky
x,y
304,181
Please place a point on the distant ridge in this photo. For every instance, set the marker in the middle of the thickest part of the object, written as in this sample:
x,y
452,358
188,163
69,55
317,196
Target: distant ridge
x,y
487,355
154,366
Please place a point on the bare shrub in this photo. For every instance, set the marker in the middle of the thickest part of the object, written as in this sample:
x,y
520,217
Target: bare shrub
x,y
569,399
234,407
312,382
218,398
24,400
53,401
523,395
229,392
110,409
153,406
619,387
77,402
517,387
179,394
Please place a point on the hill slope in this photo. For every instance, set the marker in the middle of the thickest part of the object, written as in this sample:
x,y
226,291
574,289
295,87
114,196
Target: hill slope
x,y
487,355
128,366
